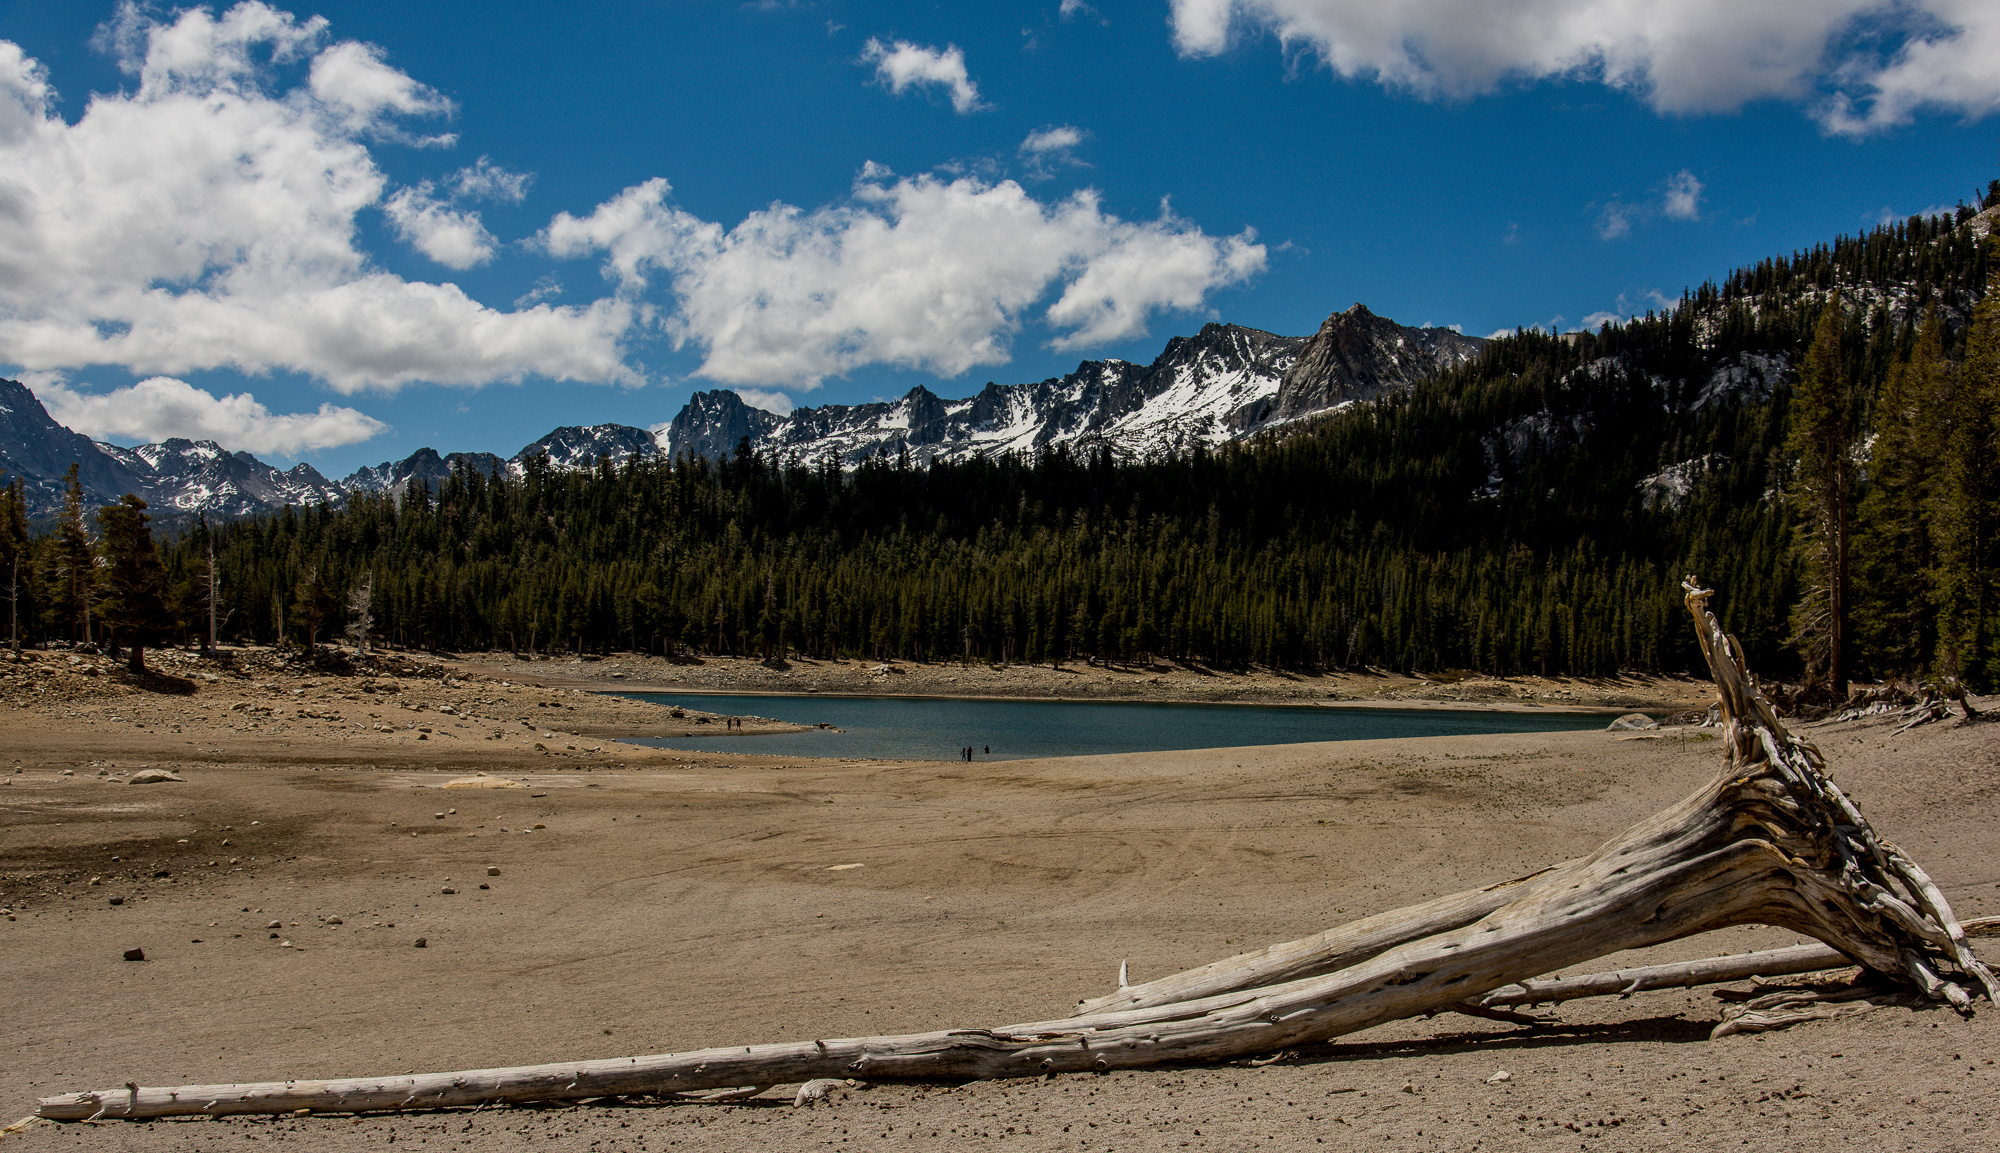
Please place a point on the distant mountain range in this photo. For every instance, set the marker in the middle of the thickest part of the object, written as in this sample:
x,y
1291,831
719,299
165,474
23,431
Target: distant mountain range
x,y
1224,383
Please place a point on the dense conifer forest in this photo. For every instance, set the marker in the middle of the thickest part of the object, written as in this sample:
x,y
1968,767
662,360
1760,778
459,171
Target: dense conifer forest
x,y
1815,436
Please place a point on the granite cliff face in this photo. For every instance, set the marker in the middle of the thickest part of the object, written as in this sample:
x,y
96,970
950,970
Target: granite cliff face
x,y
1357,355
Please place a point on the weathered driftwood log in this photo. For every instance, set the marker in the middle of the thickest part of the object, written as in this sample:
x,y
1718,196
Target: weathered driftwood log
x,y
1770,841
1684,974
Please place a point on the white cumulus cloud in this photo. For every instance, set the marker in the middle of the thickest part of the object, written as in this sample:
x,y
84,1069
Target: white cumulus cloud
x,y
767,400
1683,197
1952,63
161,407
1683,56
454,237
916,272
903,65
1046,149
206,218
352,78
1615,220
450,236
1060,138
485,180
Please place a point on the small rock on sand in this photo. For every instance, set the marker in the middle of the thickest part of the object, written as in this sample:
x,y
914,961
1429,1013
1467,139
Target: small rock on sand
x,y
423,942
135,954
154,777
1500,1077
820,1087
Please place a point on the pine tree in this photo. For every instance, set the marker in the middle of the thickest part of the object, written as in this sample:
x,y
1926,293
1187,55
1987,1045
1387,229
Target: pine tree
x,y
312,603
1825,422
75,558
133,578
1896,557
14,549
1967,516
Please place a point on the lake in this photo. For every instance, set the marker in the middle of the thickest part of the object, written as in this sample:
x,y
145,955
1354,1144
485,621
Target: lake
x,y
931,728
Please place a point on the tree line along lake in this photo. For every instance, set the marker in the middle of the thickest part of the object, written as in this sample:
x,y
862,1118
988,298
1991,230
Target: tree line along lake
x,y
942,728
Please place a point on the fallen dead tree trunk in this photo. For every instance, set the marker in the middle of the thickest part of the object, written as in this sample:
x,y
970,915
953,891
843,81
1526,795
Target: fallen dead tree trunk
x,y
1770,841
1684,974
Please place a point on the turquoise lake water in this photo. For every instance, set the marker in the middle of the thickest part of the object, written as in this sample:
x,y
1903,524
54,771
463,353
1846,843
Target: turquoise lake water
x,y
907,728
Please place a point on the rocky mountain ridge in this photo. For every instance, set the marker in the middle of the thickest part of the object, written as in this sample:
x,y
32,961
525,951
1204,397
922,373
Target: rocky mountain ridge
x,y
1226,382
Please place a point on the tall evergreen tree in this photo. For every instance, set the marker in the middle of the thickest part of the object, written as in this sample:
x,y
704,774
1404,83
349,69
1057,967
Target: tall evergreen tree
x,y
1896,558
1967,523
75,560
14,553
312,603
1825,423
134,578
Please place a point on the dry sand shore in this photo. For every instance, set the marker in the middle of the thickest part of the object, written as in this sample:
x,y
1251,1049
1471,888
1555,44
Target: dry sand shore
x,y
649,900
1079,681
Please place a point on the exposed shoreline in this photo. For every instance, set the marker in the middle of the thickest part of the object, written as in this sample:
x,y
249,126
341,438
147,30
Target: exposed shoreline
x,y
1661,696
1528,709
651,900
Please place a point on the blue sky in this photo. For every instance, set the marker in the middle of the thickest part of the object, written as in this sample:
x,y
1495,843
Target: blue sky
x,y
338,232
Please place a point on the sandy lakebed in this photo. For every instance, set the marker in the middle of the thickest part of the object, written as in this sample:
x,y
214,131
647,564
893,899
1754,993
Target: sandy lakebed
x,y
648,901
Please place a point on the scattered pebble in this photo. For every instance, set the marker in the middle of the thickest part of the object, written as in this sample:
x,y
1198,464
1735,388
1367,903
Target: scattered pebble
x,y
135,954
423,942
1499,1077
492,870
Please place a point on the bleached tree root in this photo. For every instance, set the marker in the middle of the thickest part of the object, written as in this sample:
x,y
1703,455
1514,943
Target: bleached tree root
x,y
1770,841
1787,1007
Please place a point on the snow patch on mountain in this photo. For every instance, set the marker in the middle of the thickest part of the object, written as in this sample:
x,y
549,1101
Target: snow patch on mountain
x,y
1673,484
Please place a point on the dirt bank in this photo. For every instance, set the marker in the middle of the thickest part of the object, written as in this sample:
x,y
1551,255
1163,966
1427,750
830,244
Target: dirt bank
x,y
1162,682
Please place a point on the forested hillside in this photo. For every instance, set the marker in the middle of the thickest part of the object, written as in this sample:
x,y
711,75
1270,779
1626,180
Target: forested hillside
x,y
1531,511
